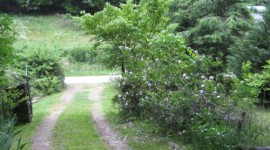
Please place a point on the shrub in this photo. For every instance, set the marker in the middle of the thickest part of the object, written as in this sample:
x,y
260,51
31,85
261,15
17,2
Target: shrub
x,y
84,55
219,135
94,54
258,82
48,85
45,71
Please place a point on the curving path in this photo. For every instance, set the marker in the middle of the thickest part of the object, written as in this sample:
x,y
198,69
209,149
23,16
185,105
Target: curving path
x,y
41,140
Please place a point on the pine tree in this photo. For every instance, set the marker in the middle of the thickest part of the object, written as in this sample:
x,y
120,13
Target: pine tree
x,y
255,47
212,26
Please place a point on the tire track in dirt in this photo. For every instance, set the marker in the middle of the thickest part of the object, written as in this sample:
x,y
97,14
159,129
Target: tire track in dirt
x,y
106,132
43,136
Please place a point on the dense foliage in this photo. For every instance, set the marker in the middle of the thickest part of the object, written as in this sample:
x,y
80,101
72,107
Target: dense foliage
x,y
46,77
254,47
226,31
7,129
46,74
92,54
7,37
47,6
170,85
212,27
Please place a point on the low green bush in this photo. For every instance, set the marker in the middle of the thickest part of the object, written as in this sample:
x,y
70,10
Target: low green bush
x,y
93,54
45,71
83,55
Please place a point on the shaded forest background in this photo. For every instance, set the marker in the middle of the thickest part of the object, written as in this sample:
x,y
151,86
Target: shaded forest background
x,y
54,6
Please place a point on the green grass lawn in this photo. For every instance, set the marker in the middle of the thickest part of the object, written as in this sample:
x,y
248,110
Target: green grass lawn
x,y
55,32
75,128
263,121
263,115
139,134
58,33
40,111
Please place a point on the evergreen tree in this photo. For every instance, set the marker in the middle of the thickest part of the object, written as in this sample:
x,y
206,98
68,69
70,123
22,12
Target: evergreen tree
x,y
6,57
254,48
212,26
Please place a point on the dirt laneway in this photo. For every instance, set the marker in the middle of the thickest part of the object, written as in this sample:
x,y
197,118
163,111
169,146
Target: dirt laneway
x,y
42,139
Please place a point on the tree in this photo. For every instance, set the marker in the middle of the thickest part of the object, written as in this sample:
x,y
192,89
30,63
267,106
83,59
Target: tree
x,y
139,36
7,38
127,29
212,26
254,47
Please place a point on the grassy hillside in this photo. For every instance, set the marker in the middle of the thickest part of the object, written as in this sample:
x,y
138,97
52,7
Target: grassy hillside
x,y
58,33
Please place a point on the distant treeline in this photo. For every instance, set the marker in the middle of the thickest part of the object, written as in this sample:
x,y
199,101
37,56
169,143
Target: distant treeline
x,y
54,6
63,6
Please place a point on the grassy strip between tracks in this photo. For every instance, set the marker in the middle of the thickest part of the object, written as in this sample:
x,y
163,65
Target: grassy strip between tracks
x,y
75,128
